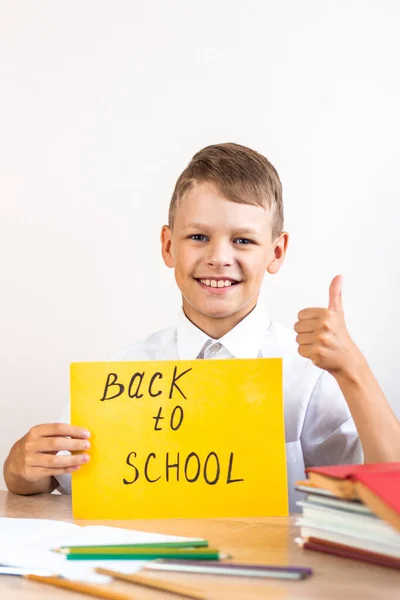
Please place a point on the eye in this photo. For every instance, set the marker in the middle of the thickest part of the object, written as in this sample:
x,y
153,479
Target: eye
x,y
243,241
198,237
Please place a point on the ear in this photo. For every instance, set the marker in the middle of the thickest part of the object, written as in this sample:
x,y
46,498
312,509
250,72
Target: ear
x,y
280,247
166,246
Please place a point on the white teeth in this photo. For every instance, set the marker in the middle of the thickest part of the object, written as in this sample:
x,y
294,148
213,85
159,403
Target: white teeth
x,y
214,283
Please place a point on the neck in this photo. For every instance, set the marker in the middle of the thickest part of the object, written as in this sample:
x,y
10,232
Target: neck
x,y
215,327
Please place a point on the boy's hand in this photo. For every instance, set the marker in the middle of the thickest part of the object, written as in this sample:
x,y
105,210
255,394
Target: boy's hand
x,y
34,457
323,336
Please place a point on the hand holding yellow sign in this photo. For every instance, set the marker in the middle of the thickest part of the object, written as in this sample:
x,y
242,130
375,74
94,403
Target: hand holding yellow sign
x,y
180,439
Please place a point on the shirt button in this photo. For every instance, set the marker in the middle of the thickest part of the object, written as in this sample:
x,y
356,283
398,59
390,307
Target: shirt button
x,y
215,347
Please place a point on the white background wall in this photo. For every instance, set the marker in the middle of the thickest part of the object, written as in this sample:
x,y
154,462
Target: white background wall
x,y
102,104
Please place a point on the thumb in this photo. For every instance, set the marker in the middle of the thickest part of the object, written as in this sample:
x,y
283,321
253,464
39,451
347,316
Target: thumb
x,y
335,294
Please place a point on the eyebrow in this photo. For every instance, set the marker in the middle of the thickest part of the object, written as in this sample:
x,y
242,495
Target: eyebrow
x,y
248,231
241,231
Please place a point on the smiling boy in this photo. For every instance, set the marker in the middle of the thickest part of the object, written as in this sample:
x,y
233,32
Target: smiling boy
x,y
225,231
220,251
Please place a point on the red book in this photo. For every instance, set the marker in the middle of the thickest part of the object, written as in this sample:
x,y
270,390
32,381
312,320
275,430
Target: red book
x,y
350,552
377,485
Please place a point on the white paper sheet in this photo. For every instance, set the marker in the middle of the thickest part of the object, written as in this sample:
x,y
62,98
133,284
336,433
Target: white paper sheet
x,y
29,543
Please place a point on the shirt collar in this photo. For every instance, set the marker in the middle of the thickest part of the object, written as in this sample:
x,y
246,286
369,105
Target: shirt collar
x,y
243,341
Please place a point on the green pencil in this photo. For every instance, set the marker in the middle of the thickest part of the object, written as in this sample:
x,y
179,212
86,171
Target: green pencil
x,y
149,553
112,547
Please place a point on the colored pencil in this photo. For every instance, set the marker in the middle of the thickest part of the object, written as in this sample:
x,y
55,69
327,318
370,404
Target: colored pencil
x,y
83,588
156,584
137,550
233,569
145,554
112,547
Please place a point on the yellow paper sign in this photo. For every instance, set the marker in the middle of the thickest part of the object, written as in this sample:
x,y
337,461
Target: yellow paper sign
x,y
201,438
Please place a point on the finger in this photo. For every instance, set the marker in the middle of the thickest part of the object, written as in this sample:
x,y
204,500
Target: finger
x,y
56,444
305,350
60,461
312,313
307,325
36,473
60,429
335,294
58,471
69,469
304,339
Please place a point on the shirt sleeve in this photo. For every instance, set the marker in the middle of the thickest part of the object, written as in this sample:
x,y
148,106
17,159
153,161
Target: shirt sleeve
x,y
64,480
329,435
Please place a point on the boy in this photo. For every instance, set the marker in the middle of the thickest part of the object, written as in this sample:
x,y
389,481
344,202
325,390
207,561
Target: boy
x,y
225,231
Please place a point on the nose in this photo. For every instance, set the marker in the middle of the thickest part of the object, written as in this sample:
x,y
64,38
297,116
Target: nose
x,y
219,254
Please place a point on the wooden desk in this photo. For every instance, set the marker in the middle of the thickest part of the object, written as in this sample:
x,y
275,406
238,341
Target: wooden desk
x,y
265,540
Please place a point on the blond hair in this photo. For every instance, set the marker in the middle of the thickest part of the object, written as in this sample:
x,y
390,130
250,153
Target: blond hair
x,y
239,173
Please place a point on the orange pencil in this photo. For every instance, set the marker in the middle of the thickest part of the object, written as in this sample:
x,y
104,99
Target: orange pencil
x,y
97,591
156,584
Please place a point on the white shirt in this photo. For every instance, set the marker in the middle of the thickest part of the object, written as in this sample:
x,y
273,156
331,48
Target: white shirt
x,y
319,429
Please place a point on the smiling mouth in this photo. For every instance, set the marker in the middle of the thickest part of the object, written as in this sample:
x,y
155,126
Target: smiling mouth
x,y
218,283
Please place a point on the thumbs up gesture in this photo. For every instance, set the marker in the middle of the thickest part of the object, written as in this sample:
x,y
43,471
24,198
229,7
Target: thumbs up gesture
x,y
322,334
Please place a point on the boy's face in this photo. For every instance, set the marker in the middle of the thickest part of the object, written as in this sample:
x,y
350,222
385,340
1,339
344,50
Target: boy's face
x,y
220,251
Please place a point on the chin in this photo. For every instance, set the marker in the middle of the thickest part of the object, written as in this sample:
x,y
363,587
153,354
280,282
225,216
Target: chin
x,y
218,313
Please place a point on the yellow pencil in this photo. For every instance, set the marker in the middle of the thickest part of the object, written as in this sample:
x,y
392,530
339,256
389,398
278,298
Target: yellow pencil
x,y
84,588
157,584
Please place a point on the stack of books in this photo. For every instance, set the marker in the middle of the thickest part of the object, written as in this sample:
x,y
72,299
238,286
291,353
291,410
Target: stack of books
x,y
352,511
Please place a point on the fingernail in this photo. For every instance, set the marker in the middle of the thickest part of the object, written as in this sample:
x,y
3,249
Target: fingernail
x,y
86,457
86,444
86,433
